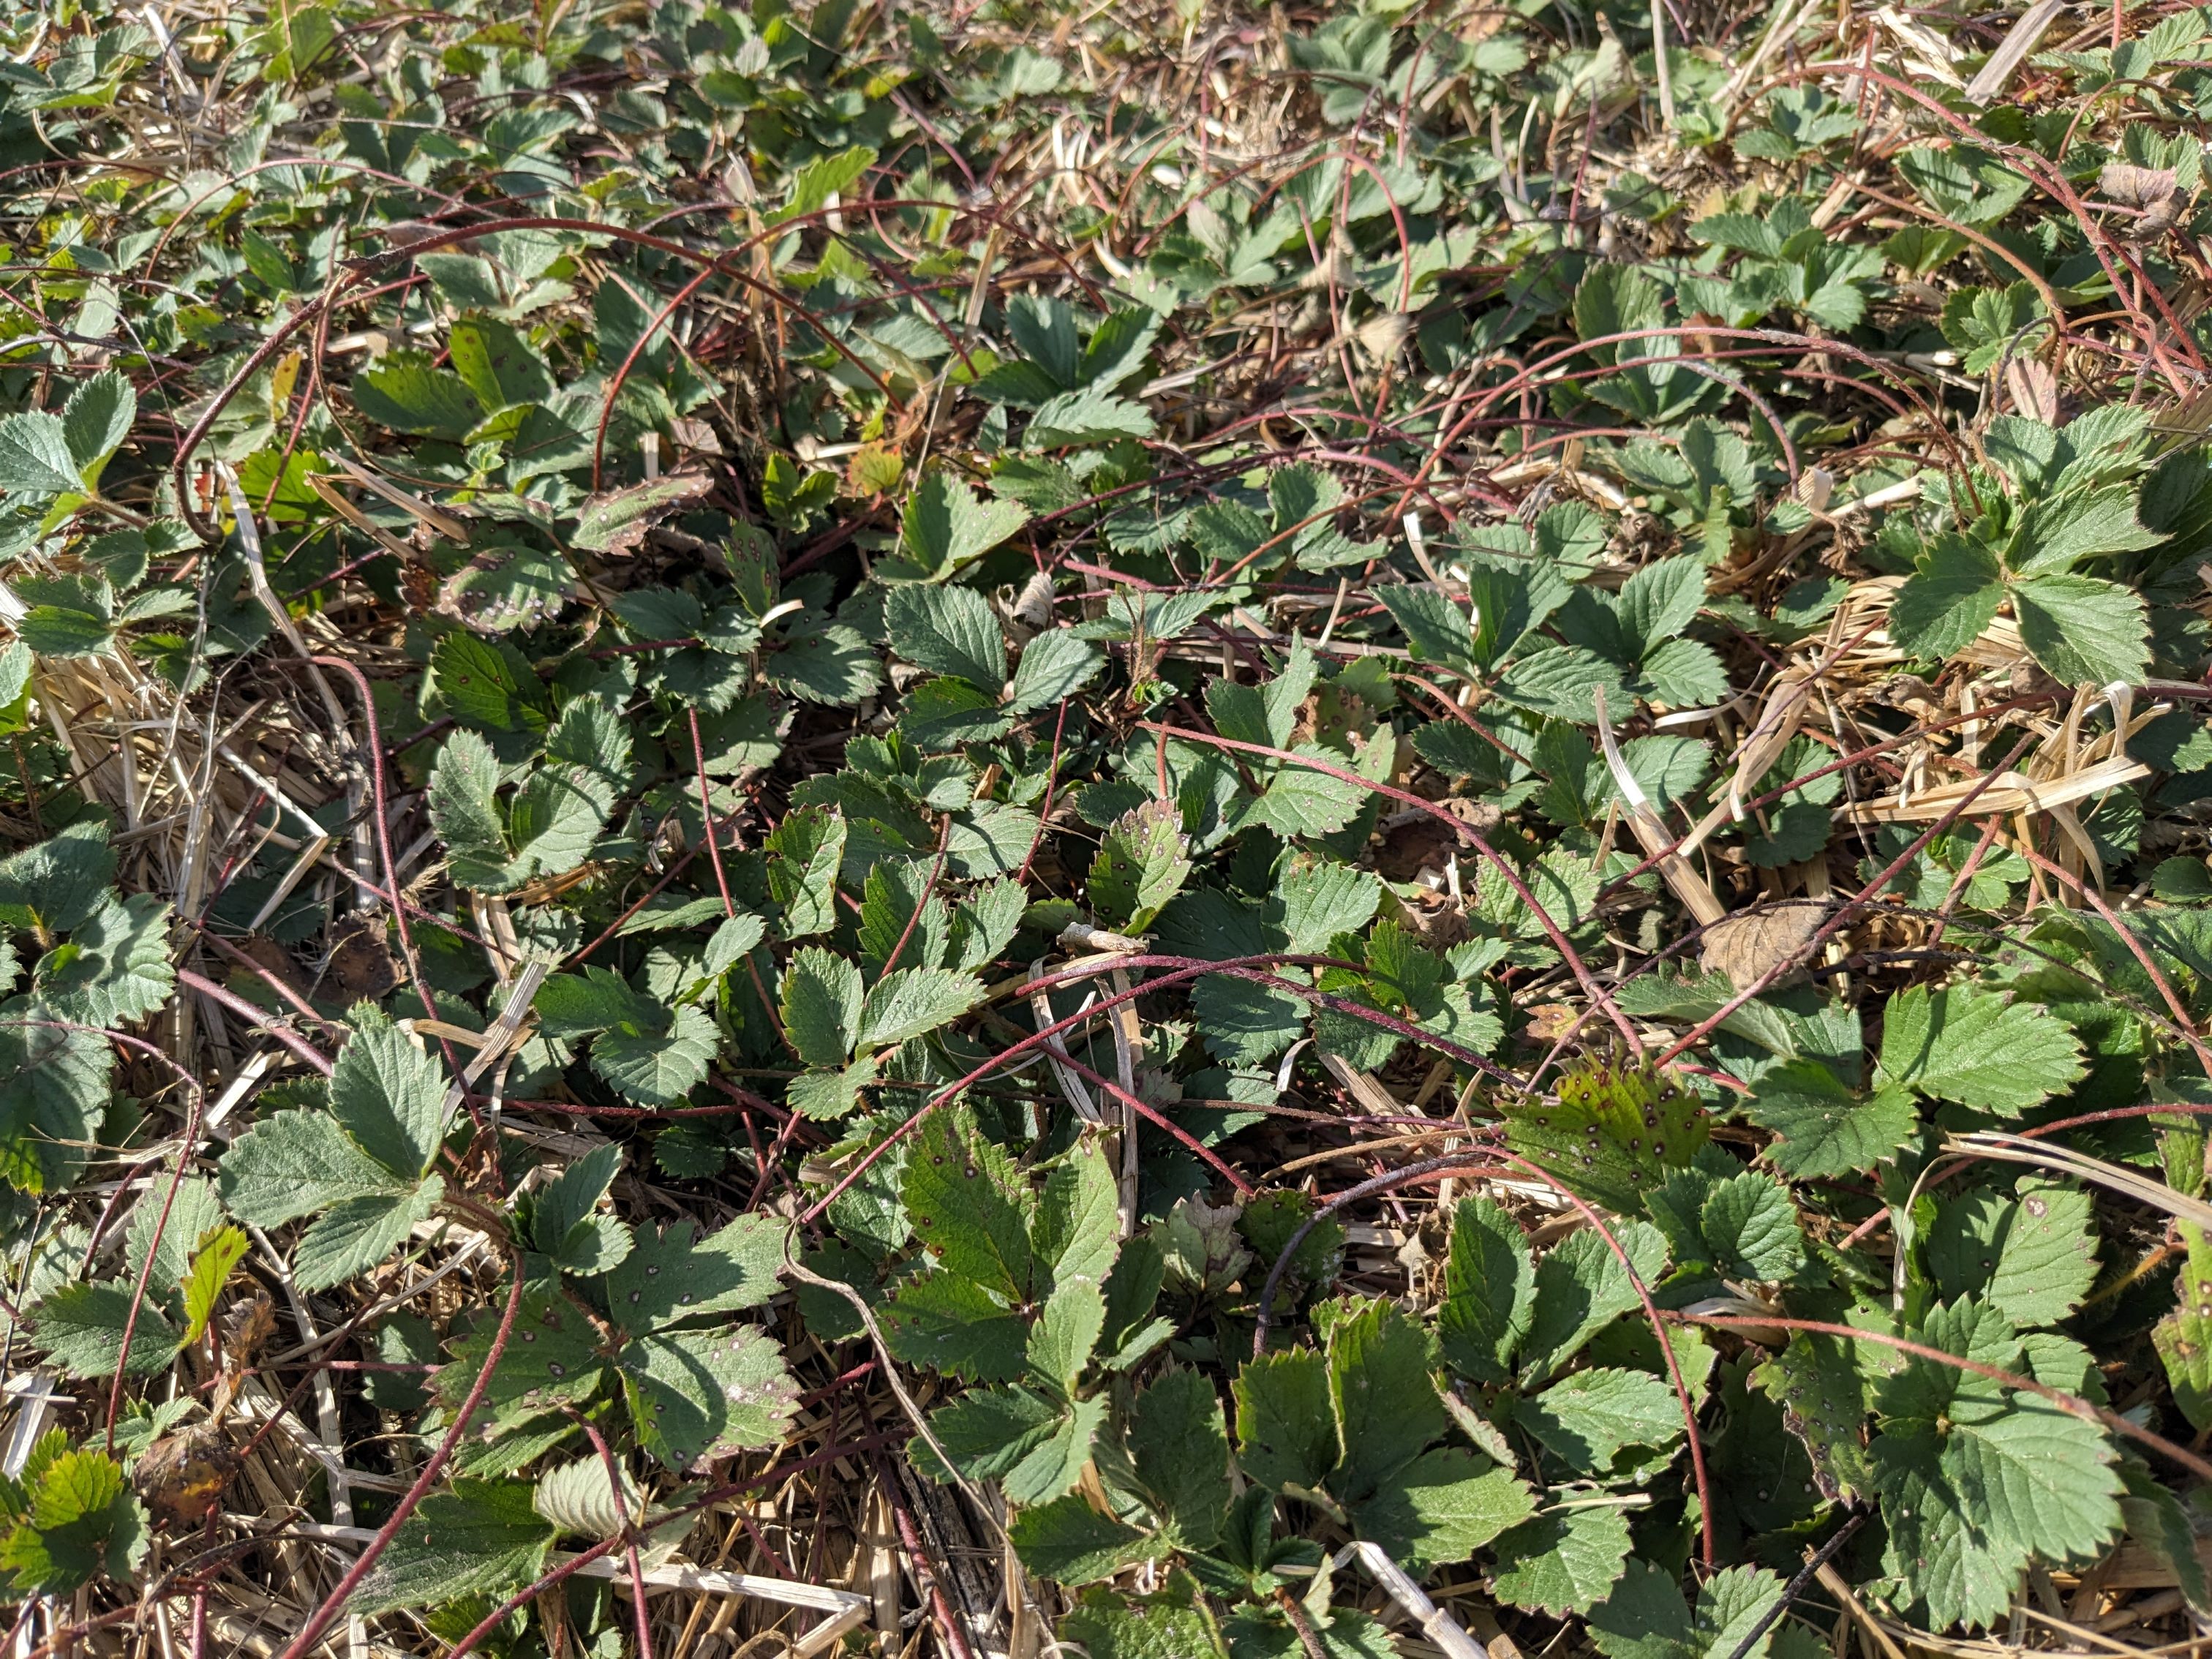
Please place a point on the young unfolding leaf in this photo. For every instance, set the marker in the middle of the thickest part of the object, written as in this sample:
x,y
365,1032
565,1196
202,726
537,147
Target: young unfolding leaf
x,y
2183,1337
562,1223
219,1252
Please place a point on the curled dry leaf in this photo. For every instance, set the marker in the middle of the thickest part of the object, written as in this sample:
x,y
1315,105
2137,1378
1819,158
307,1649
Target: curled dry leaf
x,y
1750,945
182,1476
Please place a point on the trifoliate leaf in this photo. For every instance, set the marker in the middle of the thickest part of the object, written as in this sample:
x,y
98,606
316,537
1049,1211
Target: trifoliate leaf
x,y
1821,1128
79,1521
1562,1563
2033,1256
2086,630
948,630
478,1538
1588,1417
1977,1048
822,1005
910,1001
81,1328
698,1395
1614,1134
804,854
1489,1291
1976,1483
115,969
1985,324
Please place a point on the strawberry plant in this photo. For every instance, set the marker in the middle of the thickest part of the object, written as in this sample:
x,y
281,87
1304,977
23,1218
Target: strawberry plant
x,y
1164,830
